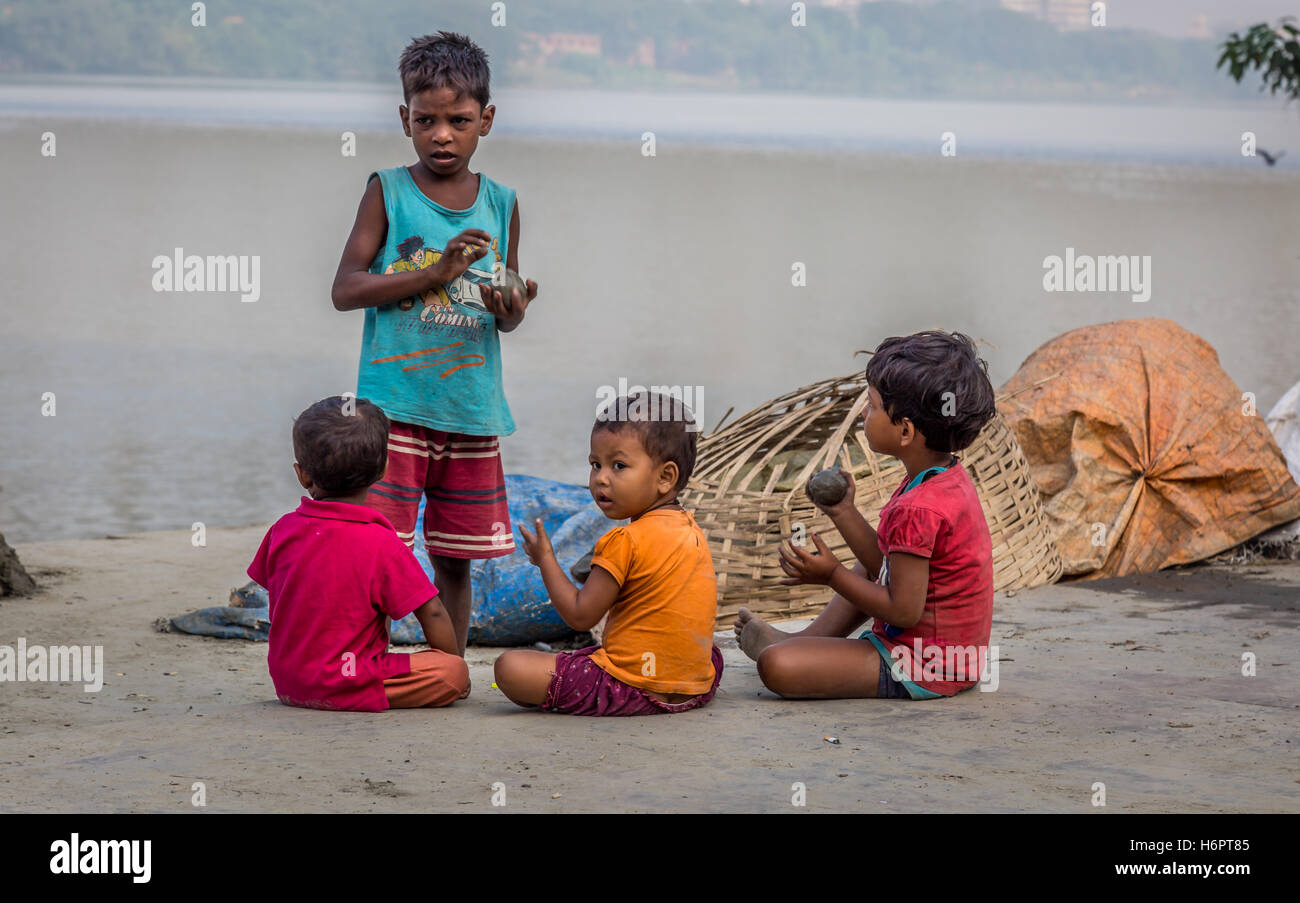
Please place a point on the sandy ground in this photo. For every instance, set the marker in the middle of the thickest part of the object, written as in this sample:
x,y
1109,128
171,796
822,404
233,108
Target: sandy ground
x,y
1135,683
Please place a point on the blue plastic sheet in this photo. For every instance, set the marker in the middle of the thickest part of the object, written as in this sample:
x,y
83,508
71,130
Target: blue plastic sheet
x,y
509,605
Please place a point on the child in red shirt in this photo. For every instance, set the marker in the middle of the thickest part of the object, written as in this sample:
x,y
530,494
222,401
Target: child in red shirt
x,y
926,575
335,570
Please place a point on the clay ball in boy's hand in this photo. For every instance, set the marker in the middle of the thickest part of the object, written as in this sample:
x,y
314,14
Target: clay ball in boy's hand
x,y
828,487
510,279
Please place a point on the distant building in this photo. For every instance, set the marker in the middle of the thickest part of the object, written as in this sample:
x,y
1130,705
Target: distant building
x,y
1065,15
643,54
543,46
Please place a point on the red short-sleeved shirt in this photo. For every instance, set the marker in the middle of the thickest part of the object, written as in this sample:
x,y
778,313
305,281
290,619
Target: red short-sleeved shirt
x,y
941,519
334,571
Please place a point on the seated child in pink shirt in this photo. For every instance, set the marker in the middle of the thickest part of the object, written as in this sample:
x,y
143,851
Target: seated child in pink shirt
x,y
925,576
335,571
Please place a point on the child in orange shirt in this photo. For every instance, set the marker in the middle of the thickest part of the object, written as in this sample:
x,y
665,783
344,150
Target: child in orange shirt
x,y
654,577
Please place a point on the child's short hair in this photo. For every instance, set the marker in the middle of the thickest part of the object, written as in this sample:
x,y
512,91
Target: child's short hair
x,y
445,60
342,443
936,380
662,423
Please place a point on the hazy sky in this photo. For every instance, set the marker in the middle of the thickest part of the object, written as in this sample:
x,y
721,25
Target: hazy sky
x,y
1172,17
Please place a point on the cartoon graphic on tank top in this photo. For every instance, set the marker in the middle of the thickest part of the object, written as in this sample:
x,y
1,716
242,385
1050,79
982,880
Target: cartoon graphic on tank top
x,y
465,289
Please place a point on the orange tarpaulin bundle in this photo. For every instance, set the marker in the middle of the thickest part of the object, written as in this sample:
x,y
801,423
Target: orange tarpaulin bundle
x,y
1145,452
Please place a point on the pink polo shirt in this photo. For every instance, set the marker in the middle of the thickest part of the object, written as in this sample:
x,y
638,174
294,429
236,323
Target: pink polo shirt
x,y
334,571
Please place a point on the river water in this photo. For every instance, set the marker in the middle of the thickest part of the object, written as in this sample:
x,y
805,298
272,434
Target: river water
x,y
175,408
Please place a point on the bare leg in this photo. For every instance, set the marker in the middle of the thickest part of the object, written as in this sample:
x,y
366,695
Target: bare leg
x,y
809,667
524,675
451,576
838,619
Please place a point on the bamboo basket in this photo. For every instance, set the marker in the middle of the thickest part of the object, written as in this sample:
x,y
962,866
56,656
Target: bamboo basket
x,y
747,493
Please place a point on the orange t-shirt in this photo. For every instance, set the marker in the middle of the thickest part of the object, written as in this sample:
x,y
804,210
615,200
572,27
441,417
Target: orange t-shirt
x,y
659,634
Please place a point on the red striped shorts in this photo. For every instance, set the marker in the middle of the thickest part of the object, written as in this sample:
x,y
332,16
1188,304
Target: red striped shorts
x,y
461,477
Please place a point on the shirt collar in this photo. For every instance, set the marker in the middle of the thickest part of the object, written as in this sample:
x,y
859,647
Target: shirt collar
x,y
665,510
359,514
902,489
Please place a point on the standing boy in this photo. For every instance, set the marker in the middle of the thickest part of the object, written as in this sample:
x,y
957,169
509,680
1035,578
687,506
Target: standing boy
x,y
430,353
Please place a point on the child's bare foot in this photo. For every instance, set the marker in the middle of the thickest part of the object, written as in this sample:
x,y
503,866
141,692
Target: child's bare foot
x,y
754,634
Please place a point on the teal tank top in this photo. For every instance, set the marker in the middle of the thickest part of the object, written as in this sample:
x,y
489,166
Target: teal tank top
x,y
435,360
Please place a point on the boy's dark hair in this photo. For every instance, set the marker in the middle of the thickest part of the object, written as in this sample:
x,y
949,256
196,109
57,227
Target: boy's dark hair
x,y
660,423
341,452
936,380
445,60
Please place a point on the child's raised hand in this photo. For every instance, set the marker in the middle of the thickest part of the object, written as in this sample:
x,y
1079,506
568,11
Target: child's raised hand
x,y
808,567
537,545
460,252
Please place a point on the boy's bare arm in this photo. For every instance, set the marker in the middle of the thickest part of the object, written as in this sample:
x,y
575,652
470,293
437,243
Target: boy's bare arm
x,y
861,539
583,608
438,630
850,523
901,603
355,287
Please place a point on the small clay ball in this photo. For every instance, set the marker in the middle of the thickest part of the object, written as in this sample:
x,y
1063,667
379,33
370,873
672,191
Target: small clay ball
x,y
510,279
828,487
581,569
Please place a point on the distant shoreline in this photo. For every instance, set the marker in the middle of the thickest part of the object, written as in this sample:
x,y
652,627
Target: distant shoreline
x,y
1204,136
684,89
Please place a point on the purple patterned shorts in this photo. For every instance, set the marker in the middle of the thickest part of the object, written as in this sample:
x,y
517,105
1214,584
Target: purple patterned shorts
x,y
581,687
